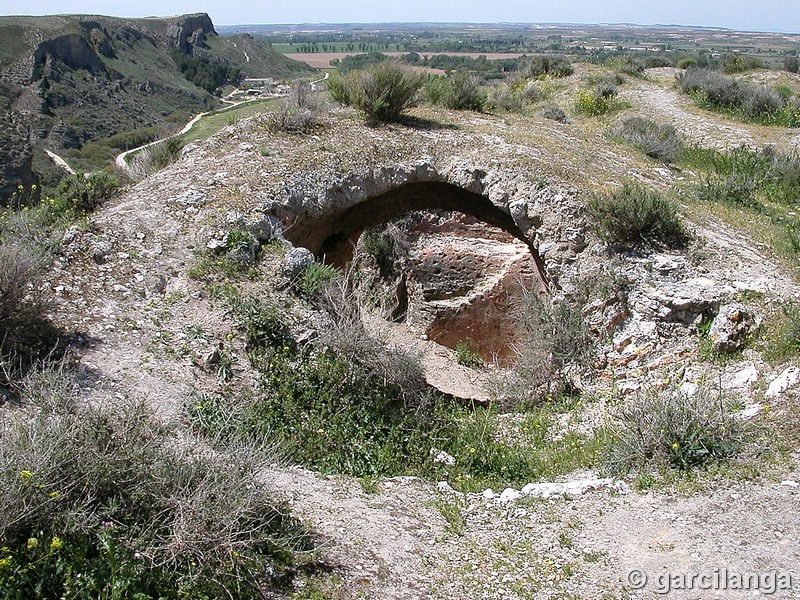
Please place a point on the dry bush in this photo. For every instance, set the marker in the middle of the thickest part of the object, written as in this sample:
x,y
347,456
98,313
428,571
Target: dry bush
x,y
554,339
554,113
658,141
669,428
25,334
343,300
153,158
299,112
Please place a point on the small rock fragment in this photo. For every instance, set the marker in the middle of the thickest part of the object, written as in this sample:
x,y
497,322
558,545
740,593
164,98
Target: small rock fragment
x,y
295,261
783,382
731,326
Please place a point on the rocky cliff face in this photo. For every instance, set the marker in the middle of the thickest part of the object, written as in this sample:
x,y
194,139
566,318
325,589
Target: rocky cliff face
x,y
190,31
66,53
16,155
74,80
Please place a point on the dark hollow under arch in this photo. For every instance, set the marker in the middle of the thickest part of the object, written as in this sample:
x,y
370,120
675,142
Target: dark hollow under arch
x,y
332,236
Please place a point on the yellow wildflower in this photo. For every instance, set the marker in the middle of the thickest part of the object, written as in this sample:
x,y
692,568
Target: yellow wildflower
x,y
56,544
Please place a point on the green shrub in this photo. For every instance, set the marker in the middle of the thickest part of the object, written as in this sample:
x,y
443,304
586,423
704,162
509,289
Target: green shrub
x,y
600,101
435,88
637,216
661,142
466,356
339,90
554,65
314,278
736,63
104,503
675,430
463,92
382,92
761,181
80,194
714,88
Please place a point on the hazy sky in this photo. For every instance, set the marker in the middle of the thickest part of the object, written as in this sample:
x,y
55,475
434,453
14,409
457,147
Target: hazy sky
x,y
757,15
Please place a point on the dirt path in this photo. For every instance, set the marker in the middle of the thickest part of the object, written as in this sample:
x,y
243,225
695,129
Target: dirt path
x,y
658,99
122,158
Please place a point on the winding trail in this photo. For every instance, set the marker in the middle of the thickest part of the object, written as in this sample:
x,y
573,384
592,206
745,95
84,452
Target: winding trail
x,y
121,162
316,81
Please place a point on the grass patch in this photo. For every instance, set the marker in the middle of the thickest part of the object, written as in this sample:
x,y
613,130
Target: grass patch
x,y
216,121
353,406
760,187
781,338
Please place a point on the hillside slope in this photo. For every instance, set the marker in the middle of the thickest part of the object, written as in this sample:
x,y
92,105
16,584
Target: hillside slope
x,y
67,82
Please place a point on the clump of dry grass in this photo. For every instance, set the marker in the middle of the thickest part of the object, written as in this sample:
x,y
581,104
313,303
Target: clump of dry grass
x,y
102,498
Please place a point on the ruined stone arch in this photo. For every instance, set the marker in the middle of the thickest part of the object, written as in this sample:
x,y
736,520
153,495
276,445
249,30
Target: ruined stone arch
x,y
330,224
